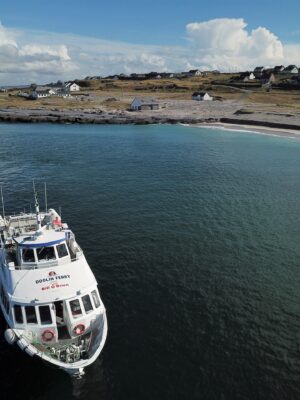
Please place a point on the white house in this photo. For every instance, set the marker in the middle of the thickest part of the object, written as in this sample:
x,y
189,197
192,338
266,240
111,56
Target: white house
x,y
248,77
201,96
144,104
42,93
72,87
195,72
291,69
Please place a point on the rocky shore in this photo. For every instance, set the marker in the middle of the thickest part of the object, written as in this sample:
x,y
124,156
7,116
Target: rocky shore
x,y
171,112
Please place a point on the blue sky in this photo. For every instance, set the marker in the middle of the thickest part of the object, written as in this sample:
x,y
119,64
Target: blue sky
x,y
156,22
44,41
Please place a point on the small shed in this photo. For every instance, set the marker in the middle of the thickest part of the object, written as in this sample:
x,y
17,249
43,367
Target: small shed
x,y
139,104
201,96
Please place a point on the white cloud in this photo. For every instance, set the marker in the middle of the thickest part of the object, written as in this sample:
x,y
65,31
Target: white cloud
x,y
224,43
24,63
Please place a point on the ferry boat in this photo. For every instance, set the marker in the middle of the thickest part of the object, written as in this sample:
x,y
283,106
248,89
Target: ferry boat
x,y
48,293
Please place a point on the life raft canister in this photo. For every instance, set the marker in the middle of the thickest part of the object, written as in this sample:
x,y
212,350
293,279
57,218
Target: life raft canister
x,y
48,335
57,221
79,329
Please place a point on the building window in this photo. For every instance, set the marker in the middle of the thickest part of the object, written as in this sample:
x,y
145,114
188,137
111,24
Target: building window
x,y
30,315
62,250
96,298
75,308
28,255
45,315
45,253
18,314
87,304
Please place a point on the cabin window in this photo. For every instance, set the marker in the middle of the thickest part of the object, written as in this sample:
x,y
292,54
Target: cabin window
x,y
18,314
87,304
45,315
45,253
28,255
61,250
30,315
75,308
96,298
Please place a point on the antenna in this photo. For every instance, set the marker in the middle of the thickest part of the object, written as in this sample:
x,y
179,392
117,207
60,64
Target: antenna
x,y
60,212
3,210
46,204
37,208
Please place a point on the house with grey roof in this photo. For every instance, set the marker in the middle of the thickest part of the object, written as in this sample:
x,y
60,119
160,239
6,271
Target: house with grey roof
x,y
291,69
278,69
144,103
258,71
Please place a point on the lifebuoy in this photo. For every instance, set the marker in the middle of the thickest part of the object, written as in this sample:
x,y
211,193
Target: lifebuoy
x,y
48,335
79,329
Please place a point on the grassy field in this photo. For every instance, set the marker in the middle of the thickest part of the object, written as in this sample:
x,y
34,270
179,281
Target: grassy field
x,y
118,94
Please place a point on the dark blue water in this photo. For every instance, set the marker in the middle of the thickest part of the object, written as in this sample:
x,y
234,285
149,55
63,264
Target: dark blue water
x,y
193,235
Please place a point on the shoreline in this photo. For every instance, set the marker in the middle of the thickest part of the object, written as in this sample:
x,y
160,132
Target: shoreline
x,y
258,129
259,122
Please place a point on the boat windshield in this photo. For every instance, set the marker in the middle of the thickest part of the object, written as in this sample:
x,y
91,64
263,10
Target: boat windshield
x,y
45,253
28,255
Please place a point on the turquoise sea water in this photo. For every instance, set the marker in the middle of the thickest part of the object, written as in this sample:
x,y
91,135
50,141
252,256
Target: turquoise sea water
x,y
193,235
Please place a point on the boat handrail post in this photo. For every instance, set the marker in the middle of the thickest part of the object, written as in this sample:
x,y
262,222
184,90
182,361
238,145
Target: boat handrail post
x,y
46,203
2,200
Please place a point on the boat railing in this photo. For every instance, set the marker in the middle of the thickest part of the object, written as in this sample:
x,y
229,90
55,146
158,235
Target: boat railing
x,y
40,265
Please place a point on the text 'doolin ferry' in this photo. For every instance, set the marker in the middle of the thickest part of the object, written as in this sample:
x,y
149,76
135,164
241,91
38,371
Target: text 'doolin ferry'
x,y
48,293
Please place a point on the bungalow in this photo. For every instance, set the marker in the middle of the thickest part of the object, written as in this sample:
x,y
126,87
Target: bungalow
x,y
135,76
258,71
278,69
195,72
267,77
246,76
42,93
139,104
72,87
291,69
201,96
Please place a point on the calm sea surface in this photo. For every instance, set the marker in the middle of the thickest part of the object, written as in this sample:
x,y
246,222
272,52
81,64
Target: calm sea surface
x,y
194,237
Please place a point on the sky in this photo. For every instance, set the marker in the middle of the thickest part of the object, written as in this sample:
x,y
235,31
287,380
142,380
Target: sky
x,y
47,41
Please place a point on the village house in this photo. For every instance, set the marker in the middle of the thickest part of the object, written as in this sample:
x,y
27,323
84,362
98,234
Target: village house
x,y
139,104
41,92
258,71
291,69
135,76
72,87
195,72
246,76
278,69
201,96
267,77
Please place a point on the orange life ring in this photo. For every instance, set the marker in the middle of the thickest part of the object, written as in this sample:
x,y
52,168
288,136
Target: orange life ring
x,y
79,329
48,335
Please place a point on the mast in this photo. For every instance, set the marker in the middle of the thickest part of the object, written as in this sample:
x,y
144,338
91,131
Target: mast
x,y
37,209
